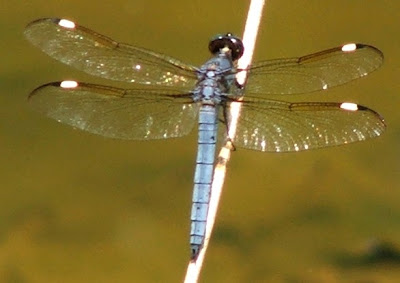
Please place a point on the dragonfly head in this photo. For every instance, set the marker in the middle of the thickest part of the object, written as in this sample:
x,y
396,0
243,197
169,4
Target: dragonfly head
x,y
233,43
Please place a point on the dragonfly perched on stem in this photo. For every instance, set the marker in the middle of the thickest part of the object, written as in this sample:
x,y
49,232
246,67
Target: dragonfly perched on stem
x,y
174,94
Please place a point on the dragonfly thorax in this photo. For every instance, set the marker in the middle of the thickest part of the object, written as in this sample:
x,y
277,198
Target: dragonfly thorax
x,y
215,78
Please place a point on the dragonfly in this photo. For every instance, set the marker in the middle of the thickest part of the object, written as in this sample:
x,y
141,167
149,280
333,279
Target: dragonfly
x,y
170,96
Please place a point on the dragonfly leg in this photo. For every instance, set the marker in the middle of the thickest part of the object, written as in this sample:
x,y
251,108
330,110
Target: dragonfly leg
x,y
225,121
232,145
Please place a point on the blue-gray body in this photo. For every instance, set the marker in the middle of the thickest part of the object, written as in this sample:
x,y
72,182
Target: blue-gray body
x,y
215,81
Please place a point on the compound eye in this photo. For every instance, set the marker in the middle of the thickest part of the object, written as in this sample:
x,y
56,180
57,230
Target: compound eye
x,y
234,44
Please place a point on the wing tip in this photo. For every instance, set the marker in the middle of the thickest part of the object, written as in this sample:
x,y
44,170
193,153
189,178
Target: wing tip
x,y
364,46
29,31
40,20
379,116
36,90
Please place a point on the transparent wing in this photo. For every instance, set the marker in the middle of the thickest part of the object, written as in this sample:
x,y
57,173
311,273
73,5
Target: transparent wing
x,y
278,126
101,56
117,113
318,71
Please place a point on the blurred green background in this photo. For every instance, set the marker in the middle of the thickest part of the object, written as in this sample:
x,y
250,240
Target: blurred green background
x,y
75,207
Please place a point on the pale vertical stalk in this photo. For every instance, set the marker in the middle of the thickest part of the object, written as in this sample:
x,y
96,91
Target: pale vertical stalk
x,y
249,40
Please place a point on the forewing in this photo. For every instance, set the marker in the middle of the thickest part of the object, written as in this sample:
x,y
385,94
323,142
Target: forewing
x,y
133,114
101,56
278,126
318,71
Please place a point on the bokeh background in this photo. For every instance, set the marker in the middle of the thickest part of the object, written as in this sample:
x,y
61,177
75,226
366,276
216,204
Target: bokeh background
x,y
76,207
